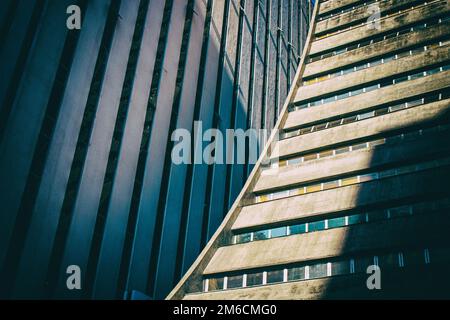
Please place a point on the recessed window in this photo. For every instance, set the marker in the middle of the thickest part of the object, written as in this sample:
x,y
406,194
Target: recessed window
x,y
414,257
388,260
215,284
368,177
275,276
357,218
313,188
326,153
316,226
377,215
349,119
361,264
349,181
330,185
297,229
261,235
336,222
297,273
310,157
359,146
254,279
342,150
278,232
340,267
399,212
318,270
242,238
234,282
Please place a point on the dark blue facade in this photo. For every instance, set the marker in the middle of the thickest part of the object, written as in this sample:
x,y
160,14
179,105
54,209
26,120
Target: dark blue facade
x,y
86,118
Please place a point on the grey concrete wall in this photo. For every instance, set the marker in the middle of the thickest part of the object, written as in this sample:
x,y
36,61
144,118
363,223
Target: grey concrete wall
x,y
400,233
359,130
377,49
340,199
388,23
356,161
369,99
381,71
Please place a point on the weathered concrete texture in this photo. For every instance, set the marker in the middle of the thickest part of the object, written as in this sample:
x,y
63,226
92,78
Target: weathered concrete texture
x,y
397,284
367,100
328,6
360,129
401,42
352,162
341,199
379,72
359,14
389,23
402,232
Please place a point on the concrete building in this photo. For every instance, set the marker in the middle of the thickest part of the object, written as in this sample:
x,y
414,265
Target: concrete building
x,y
358,176
86,118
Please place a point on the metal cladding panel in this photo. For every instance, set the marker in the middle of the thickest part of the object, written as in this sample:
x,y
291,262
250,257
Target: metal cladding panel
x,y
272,84
28,110
164,105
258,106
13,41
198,192
81,231
112,246
36,254
236,171
218,192
138,266
176,181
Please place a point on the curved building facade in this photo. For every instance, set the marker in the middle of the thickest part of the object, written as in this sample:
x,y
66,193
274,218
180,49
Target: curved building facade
x,y
351,200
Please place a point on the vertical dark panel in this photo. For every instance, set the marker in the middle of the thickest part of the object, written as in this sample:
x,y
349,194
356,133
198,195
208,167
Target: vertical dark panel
x,y
8,10
160,134
28,105
284,51
121,196
81,233
16,21
80,155
103,221
295,34
241,102
190,111
272,83
42,229
259,90
222,121
19,36
140,226
39,157
196,193
171,200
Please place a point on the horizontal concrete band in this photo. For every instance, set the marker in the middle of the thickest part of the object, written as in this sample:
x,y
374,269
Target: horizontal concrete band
x,y
394,67
401,232
336,4
364,101
361,129
389,23
377,49
358,14
356,161
352,286
286,210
